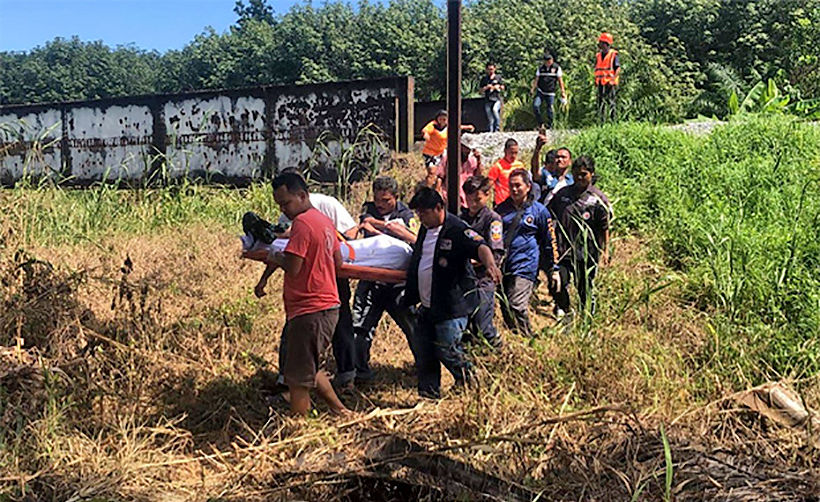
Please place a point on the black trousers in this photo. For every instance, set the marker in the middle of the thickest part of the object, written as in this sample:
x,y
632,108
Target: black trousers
x,y
584,275
606,99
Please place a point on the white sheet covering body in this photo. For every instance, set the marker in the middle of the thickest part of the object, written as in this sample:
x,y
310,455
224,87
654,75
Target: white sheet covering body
x,y
380,251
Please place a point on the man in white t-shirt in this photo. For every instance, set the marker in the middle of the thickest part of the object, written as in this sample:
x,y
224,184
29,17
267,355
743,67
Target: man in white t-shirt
x,y
333,209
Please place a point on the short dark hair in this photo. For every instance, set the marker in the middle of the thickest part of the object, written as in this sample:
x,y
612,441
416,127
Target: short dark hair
x,y
489,63
426,198
550,156
441,112
584,162
386,183
510,143
292,180
564,149
523,173
474,184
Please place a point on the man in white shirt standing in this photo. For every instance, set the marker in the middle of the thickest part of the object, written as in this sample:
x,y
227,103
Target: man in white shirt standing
x,y
441,277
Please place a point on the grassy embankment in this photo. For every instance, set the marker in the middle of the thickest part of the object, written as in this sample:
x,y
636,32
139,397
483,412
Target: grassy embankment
x,y
152,378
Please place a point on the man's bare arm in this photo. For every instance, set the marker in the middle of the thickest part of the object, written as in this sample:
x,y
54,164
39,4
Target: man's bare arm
x,y
290,263
399,231
259,289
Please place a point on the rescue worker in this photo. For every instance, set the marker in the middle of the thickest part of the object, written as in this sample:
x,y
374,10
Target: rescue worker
x,y
607,77
548,78
385,214
440,277
528,234
583,215
343,339
488,224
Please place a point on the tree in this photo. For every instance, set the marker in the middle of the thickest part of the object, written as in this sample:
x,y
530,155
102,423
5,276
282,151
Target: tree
x,y
256,10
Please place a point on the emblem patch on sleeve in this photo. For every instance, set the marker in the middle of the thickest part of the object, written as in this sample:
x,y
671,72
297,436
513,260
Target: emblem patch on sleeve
x,y
496,231
414,225
472,234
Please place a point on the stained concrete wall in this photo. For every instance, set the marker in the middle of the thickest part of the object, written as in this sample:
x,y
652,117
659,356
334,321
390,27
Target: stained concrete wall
x,y
229,136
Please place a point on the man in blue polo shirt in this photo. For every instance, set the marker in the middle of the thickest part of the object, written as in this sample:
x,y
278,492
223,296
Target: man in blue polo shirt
x,y
528,237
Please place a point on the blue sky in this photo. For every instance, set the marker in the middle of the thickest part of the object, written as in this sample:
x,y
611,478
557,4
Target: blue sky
x,y
148,24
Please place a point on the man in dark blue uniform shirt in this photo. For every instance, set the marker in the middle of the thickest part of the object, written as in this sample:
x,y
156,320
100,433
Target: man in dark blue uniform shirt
x,y
583,214
528,233
384,215
488,224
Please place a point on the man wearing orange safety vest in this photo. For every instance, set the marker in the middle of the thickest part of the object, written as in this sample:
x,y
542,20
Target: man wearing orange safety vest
x,y
607,75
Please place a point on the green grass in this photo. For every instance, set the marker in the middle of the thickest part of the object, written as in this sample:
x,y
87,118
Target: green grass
x,y
54,216
738,212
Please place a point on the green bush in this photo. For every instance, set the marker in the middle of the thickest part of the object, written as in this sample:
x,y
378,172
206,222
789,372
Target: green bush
x,y
738,212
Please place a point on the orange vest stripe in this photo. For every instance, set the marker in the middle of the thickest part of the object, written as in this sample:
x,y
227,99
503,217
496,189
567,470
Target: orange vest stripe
x,y
604,71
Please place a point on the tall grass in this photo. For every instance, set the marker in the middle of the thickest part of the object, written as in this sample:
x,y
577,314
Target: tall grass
x,y
51,215
739,213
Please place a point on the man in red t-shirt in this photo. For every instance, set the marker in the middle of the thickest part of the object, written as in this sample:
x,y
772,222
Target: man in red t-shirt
x,y
500,171
310,261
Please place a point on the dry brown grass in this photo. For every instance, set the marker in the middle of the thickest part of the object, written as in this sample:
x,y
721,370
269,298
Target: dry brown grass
x,y
150,381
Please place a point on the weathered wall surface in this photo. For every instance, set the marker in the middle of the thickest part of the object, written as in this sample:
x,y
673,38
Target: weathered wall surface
x,y
232,135
30,143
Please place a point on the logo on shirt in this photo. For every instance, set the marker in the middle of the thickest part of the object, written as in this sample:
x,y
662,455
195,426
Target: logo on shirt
x,y
585,215
414,225
529,219
442,262
446,244
496,231
329,240
472,234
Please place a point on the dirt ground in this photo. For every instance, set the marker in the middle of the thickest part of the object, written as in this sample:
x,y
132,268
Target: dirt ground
x,y
160,387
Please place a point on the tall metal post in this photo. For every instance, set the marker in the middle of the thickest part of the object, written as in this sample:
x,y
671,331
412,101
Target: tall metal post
x,y
453,102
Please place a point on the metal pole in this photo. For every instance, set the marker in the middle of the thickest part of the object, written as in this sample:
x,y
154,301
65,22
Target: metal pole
x,y
453,102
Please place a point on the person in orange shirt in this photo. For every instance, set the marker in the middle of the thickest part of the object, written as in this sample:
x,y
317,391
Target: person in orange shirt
x,y
435,138
500,171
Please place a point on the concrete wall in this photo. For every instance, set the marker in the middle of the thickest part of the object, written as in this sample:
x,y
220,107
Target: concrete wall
x,y
229,136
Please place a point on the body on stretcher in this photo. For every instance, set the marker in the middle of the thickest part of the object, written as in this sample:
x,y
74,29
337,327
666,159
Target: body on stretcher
x,y
380,258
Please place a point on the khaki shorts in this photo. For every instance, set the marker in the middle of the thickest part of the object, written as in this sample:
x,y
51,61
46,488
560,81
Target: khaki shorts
x,y
309,338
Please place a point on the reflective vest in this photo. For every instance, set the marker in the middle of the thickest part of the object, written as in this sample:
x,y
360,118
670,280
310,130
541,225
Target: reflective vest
x,y
604,71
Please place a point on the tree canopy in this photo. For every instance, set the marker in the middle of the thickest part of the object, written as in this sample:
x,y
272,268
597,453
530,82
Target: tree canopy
x,y
680,58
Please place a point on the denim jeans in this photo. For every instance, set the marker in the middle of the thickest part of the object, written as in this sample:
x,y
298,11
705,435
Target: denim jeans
x,y
493,111
437,343
481,322
342,341
549,100
371,300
